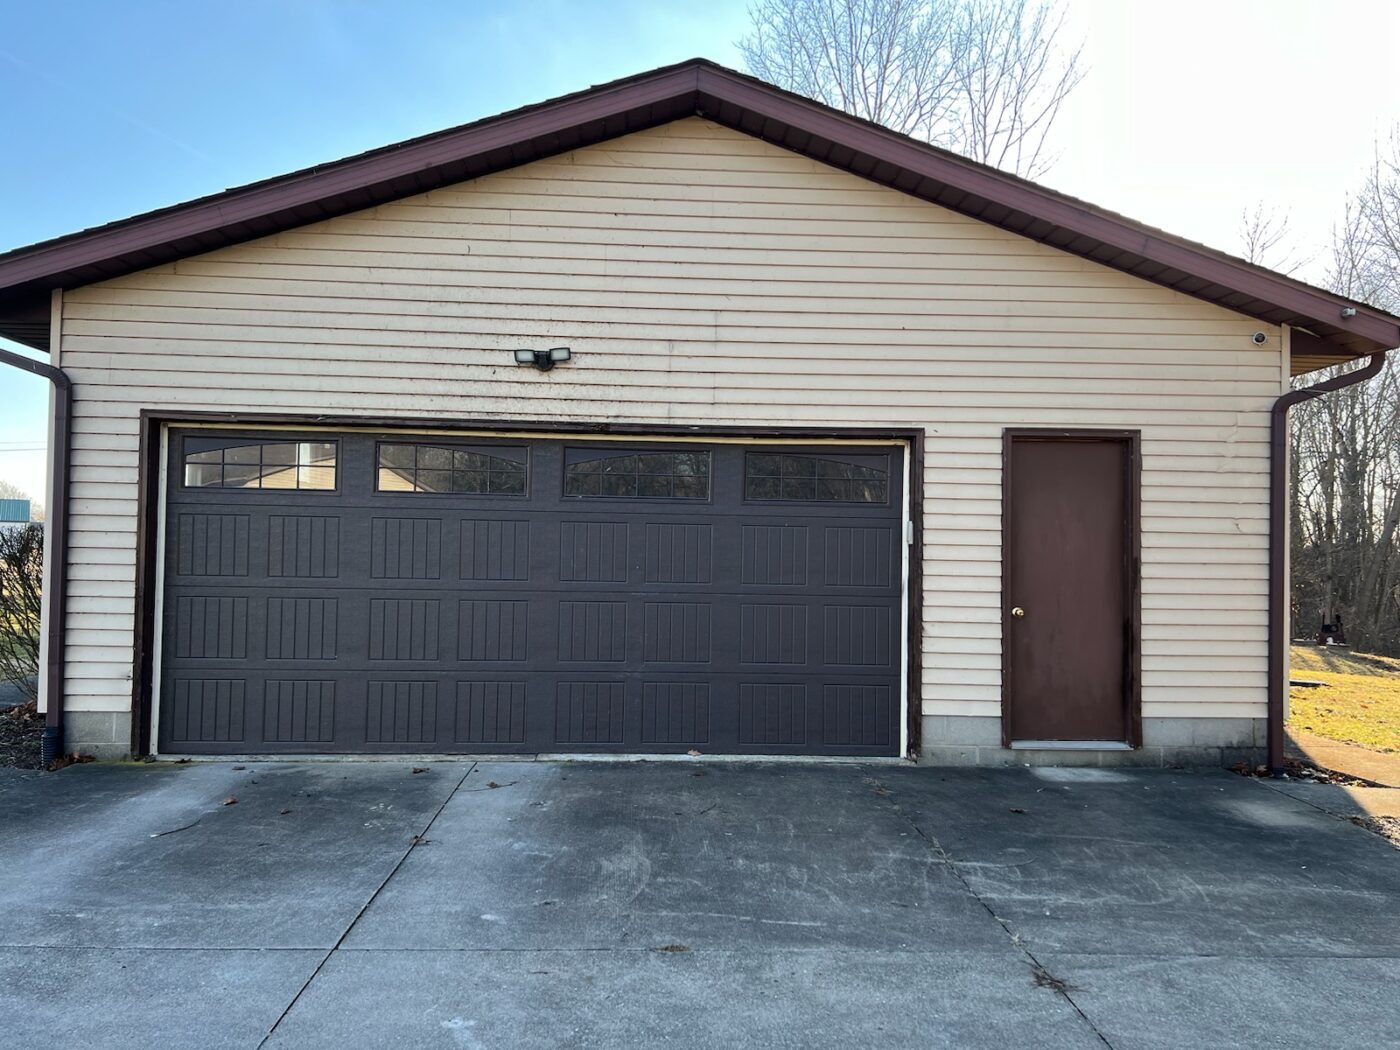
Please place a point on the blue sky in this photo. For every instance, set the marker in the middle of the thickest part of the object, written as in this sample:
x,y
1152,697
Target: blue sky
x,y
1191,111
111,109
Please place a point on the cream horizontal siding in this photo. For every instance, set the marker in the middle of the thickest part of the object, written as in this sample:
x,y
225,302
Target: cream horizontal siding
x,y
704,277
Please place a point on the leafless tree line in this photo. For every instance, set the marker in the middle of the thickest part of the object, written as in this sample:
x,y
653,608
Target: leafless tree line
x,y
1346,446
983,77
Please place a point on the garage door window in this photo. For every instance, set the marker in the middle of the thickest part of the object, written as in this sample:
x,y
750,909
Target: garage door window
x,y
857,479
217,463
498,471
637,475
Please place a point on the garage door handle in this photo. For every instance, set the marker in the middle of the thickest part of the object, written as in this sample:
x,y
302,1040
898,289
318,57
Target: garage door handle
x,y
1018,612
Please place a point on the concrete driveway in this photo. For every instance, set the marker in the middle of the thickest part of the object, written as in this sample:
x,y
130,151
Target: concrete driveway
x,y
687,904
11,695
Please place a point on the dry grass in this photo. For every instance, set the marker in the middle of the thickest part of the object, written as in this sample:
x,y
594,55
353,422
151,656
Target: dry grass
x,y
21,729
1360,704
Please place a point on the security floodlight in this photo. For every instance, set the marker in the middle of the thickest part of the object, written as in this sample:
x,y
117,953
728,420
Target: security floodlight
x,y
544,360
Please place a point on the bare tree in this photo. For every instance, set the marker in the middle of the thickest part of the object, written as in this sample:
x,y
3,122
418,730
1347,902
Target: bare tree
x,y
1267,240
1346,446
21,575
983,77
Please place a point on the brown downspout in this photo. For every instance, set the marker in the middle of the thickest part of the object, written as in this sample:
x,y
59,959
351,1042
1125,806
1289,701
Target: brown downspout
x,y
1278,530
57,541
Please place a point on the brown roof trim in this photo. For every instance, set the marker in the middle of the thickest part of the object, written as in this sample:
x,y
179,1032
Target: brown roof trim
x,y
663,95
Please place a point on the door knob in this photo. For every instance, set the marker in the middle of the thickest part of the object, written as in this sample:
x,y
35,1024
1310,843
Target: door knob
x,y
1018,612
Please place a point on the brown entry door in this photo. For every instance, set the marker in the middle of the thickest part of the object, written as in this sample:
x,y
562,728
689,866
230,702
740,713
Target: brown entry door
x,y
1069,594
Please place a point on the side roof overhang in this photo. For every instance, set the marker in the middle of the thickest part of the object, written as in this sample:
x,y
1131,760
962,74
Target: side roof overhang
x,y
1329,329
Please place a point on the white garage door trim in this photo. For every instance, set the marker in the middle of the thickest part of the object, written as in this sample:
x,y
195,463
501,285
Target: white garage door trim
x,y
168,424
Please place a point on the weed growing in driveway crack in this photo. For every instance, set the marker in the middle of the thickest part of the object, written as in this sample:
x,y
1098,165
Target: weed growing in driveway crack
x,y
1043,978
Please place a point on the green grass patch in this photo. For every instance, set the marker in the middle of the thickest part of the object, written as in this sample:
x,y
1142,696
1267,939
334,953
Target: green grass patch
x,y
1360,702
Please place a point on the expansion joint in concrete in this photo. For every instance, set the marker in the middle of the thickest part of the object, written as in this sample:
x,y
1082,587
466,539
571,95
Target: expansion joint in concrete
x,y
413,843
1042,976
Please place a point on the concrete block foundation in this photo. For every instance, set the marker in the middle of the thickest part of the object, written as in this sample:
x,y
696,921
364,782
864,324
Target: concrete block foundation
x,y
951,740
102,734
948,740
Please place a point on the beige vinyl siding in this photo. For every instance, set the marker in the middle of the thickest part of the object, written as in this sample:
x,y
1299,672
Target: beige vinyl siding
x,y
705,277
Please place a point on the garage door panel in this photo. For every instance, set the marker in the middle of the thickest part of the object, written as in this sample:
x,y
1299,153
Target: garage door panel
x,y
402,710
202,711
490,711
212,545
493,550
774,555
590,714
493,630
352,619
678,553
594,552
677,632
405,548
858,556
299,711
675,714
413,714
302,546
858,636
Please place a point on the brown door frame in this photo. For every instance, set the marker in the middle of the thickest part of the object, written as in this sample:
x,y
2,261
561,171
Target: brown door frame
x,y
147,519
1132,575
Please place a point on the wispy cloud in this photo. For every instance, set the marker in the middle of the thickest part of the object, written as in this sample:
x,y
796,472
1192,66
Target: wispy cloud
x,y
97,100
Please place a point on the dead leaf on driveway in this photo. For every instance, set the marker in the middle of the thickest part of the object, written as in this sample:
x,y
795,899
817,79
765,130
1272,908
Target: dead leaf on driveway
x,y
693,753
228,801
420,769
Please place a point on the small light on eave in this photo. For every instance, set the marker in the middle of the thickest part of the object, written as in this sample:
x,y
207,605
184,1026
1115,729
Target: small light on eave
x,y
544,360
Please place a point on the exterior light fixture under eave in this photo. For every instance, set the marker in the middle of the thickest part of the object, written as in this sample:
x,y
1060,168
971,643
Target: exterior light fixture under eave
x,y
544,360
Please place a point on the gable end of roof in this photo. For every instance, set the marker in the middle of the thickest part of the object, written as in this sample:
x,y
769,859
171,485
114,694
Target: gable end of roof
x,y
1340,329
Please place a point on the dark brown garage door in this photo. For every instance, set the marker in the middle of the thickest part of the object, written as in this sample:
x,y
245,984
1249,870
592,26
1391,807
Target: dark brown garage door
x,y
352,592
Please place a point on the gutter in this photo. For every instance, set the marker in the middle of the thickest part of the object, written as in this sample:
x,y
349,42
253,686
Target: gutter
x,y
57,544
1278,531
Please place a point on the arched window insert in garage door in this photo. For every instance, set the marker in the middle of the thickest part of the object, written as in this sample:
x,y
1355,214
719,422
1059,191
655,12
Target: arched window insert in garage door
x,y
629,473
494,470
816,479
238,463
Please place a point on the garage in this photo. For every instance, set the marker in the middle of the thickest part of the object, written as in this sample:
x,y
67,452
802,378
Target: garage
x,y
359,592
331,490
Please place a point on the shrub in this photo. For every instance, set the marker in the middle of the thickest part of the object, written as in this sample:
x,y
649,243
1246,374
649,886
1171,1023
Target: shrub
x,y
21,581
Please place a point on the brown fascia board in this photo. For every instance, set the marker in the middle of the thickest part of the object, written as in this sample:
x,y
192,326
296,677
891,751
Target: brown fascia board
x,y
697,87
321,186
